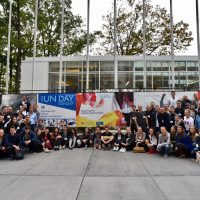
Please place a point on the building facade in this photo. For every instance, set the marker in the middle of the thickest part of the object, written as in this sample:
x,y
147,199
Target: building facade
x,y
131,73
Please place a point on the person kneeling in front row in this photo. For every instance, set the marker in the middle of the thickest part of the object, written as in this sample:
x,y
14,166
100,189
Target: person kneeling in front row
x,y
164,145
13,145
107,139
3,150
119,140
151,142
129,140
30,142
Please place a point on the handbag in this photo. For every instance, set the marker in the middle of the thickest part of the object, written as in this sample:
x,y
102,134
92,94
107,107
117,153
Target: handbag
x,y
138,150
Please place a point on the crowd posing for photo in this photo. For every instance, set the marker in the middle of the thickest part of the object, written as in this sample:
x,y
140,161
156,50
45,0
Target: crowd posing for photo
x,y
168,129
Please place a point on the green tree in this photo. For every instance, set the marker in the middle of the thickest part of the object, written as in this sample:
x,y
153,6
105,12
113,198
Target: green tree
x,y
48,34
130,30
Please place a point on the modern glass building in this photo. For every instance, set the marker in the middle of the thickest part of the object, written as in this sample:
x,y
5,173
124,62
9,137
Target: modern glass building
x,y
131,73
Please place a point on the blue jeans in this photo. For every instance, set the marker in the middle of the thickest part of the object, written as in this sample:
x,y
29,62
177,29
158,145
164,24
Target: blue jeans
x,y
164,149
193,152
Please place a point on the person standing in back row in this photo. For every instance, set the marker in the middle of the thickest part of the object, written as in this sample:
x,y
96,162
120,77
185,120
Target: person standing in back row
x,y
141,119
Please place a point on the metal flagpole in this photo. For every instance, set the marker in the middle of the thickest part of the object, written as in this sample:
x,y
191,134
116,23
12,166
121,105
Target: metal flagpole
x,y
144,47
34,45
88,43
198,42
172,44
115,47
8,51
61,47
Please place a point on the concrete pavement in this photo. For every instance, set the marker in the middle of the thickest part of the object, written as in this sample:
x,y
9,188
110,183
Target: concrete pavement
x,y
95,175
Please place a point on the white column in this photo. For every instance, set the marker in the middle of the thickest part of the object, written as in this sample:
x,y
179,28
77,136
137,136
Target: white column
x,y
144,47
115,47
198,42
61,47
8,50
34,43
172,44
88,45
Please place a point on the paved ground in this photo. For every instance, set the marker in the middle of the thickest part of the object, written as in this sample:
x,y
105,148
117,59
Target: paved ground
x,y
99,175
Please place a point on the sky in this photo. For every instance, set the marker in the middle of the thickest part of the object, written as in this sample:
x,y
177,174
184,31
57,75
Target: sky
x,y
182,10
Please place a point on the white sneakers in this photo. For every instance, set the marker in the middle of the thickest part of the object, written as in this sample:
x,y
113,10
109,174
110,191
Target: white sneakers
x,y
122,150
115,148
46,150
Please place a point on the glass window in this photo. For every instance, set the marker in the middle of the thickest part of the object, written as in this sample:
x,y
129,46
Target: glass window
x,y
138,65
54,67
107,81
179,66
180,80
125,66
93,66
107,66
138,80
160,66
71,82
53,82
149,80
192,66
125,81
161,80
193,81
72,67
94,81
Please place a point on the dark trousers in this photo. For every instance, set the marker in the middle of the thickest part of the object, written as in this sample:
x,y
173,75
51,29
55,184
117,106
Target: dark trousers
x,y
57,142
65,142
182,150
3,154
11,152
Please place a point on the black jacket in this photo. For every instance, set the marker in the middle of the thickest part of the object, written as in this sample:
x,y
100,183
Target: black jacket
x,y
163,120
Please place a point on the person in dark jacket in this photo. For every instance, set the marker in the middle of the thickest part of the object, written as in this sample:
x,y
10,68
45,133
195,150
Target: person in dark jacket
x,y
29,141
107,139
65,137
129,140
183,143
163,119
12,143
86,138
97,138
23,101
57,138
9,114
150,117
3,151
179,110
119,140
1,121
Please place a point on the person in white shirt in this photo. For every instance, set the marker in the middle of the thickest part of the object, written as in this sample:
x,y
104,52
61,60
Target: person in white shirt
x,y
188,121
171,101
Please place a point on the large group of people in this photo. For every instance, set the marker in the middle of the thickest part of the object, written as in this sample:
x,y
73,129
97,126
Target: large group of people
x,y
168,129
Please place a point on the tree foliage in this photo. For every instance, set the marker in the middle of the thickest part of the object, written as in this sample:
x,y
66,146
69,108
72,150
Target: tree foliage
x,y
130,30
48,34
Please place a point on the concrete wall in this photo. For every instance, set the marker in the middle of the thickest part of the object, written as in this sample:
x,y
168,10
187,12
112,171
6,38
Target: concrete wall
x,y
41,73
